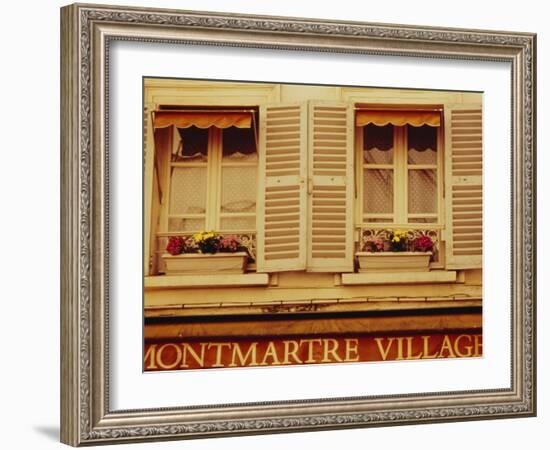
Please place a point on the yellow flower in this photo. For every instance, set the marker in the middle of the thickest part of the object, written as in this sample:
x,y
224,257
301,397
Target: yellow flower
x,y
203,236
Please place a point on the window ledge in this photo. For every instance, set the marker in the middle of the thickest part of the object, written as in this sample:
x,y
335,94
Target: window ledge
x,y
175,281
435,276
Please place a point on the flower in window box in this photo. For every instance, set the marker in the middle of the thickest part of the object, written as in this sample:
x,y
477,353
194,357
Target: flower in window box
x,y
423,243
205,253
176,245
399,241
407,253
229,244
207,241
374,245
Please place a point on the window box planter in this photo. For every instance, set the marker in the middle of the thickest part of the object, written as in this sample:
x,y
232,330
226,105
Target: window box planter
x,y
394,261
203,263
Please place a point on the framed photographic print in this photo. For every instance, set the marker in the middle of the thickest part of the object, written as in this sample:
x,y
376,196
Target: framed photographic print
x,y
275,224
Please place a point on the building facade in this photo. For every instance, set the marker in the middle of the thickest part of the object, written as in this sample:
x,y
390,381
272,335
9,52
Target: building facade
x,y
316,183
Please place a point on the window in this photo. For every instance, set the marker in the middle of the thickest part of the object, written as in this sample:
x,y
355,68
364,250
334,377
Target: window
x,y
212,180
399,171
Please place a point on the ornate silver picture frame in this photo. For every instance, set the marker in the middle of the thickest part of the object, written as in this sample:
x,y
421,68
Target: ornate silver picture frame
x,y
87,34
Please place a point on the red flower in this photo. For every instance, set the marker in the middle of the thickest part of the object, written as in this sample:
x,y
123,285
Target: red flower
x,y
175,245
423,243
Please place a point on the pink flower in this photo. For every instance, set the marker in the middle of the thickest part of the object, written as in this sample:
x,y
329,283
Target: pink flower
x,y
374,245
229,243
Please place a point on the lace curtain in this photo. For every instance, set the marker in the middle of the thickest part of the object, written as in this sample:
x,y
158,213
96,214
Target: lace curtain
x,y
381,137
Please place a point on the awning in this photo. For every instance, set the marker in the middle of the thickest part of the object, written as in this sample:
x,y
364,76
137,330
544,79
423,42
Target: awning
x,y
397,118
202,119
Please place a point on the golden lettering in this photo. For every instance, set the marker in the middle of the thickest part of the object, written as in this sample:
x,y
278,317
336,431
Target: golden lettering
x,y
399,349
150,353
446,346
384,352
293,352
330,349
187,348
468,348
188,355
310,343
478,345
352,346
270,352
251,353
426,348
176,362
410,349
219,348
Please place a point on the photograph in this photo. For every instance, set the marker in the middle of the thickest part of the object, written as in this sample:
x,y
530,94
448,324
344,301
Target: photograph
x,y
290,223
295,224
260,225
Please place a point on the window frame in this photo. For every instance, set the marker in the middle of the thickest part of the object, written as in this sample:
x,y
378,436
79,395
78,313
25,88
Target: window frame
x,y
214,171
400,168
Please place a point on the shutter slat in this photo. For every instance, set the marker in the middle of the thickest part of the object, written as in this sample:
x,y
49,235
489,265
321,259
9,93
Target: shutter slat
x,y
281,257
279,210
287,232
274,204
328,255
282,248
281,165
458,208
470,238
466,158
282,173
281,240
278,225
456,124
275,130
464,169
320,209
324,233
282,203
292,143
330,243
288,157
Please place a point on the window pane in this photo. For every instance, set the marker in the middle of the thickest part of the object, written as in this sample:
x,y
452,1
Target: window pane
x,y
188,190
239,144
378,191
238,224
422,144
422,191
378,144
238,189
193,145
178,224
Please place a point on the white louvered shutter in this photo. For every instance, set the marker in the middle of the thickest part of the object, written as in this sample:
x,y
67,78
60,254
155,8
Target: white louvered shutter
x,y
331,187
463,186
282,207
